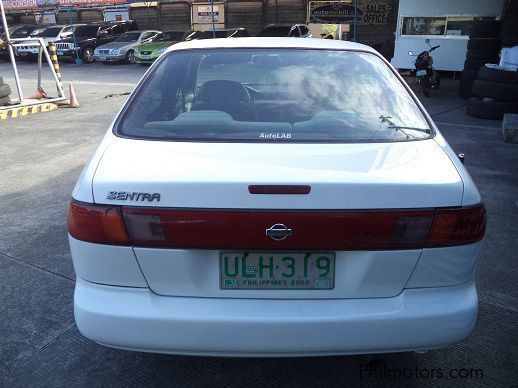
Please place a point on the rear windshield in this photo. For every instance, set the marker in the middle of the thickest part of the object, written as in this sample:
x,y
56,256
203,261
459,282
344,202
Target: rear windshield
x,y
128,37
210,34
275,31
265,95
86,30
50,32
170,36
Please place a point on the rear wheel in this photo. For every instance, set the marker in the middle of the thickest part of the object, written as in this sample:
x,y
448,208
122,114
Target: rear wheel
x,y
130,57
425,86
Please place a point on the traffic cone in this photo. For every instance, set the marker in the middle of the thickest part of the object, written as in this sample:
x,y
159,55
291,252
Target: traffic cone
x,y
73,99
38,95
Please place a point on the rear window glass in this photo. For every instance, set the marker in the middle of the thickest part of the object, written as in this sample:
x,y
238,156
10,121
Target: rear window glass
x,y
275,31
264,95
170,35
50,32
86,30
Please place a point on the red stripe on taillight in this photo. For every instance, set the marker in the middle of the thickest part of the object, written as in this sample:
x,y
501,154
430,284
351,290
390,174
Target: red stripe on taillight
x,y
458,226
231,229
101,224
279,189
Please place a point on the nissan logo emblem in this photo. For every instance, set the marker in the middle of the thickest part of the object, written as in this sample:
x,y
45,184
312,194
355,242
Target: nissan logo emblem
x,y
279,232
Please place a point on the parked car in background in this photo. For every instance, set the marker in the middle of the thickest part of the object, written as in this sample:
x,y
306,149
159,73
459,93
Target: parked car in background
x,y
21,31
235,210
90,36
285,30
50,34
147,53
122,49
239,32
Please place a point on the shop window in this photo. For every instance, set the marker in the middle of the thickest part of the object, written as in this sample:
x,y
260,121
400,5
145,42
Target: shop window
x,y
424,25
458,26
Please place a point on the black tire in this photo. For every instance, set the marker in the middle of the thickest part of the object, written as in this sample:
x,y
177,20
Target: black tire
x,y
484,43
465,88
495,90
510,28
130,58
87,55
474,64
425,86
481,53
4,100
496,75
5,90
469,74
477,107
437,84
509,40
478,34
486,25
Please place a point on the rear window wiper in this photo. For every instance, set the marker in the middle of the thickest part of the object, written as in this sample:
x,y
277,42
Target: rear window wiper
x,y
402,129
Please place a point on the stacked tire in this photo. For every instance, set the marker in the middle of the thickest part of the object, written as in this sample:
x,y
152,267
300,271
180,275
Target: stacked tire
x,y
483,47
496,92
510,25
5,91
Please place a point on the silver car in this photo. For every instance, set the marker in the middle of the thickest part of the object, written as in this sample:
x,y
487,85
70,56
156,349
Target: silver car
x,y
122,48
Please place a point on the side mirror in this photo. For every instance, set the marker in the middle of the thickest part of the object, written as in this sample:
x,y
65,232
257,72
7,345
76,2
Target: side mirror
x,y
427,41
410,53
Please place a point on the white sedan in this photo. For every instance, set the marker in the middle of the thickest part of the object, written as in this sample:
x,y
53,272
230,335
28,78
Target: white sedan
x,y
274,197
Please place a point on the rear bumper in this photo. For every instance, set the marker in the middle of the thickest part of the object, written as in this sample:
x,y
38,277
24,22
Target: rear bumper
x,y
110,58
138,319
146,61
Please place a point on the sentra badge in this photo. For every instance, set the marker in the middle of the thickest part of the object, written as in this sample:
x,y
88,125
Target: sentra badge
x,y
125,196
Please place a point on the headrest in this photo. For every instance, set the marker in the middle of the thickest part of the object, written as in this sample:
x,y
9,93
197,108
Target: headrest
x,y
223,91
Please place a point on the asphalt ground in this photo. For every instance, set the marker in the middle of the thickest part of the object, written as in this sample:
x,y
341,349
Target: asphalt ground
x,y
41,157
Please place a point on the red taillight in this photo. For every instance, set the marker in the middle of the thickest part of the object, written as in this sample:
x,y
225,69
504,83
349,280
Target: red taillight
x,y
97,223
246,229
457,226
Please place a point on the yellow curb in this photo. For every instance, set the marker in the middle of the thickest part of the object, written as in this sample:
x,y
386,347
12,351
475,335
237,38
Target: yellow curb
x,y
26,110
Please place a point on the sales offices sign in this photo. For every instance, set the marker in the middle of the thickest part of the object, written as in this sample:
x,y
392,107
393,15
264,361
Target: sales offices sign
x,y
337,12
31,4
205,14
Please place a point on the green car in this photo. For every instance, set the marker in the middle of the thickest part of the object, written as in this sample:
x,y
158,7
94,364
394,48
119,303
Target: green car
x,y
147,53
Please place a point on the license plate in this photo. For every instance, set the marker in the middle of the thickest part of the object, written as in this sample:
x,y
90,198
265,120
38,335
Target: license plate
x,y
22,54
144,57
102,58
59,52
420,73
277,270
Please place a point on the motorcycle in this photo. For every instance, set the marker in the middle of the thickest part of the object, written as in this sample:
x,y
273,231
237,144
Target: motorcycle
x,y
424,71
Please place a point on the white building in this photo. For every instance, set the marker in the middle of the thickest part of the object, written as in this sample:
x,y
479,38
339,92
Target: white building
x,y
445,23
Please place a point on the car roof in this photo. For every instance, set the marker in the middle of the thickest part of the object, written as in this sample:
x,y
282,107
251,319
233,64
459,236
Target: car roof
x,y
323,44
